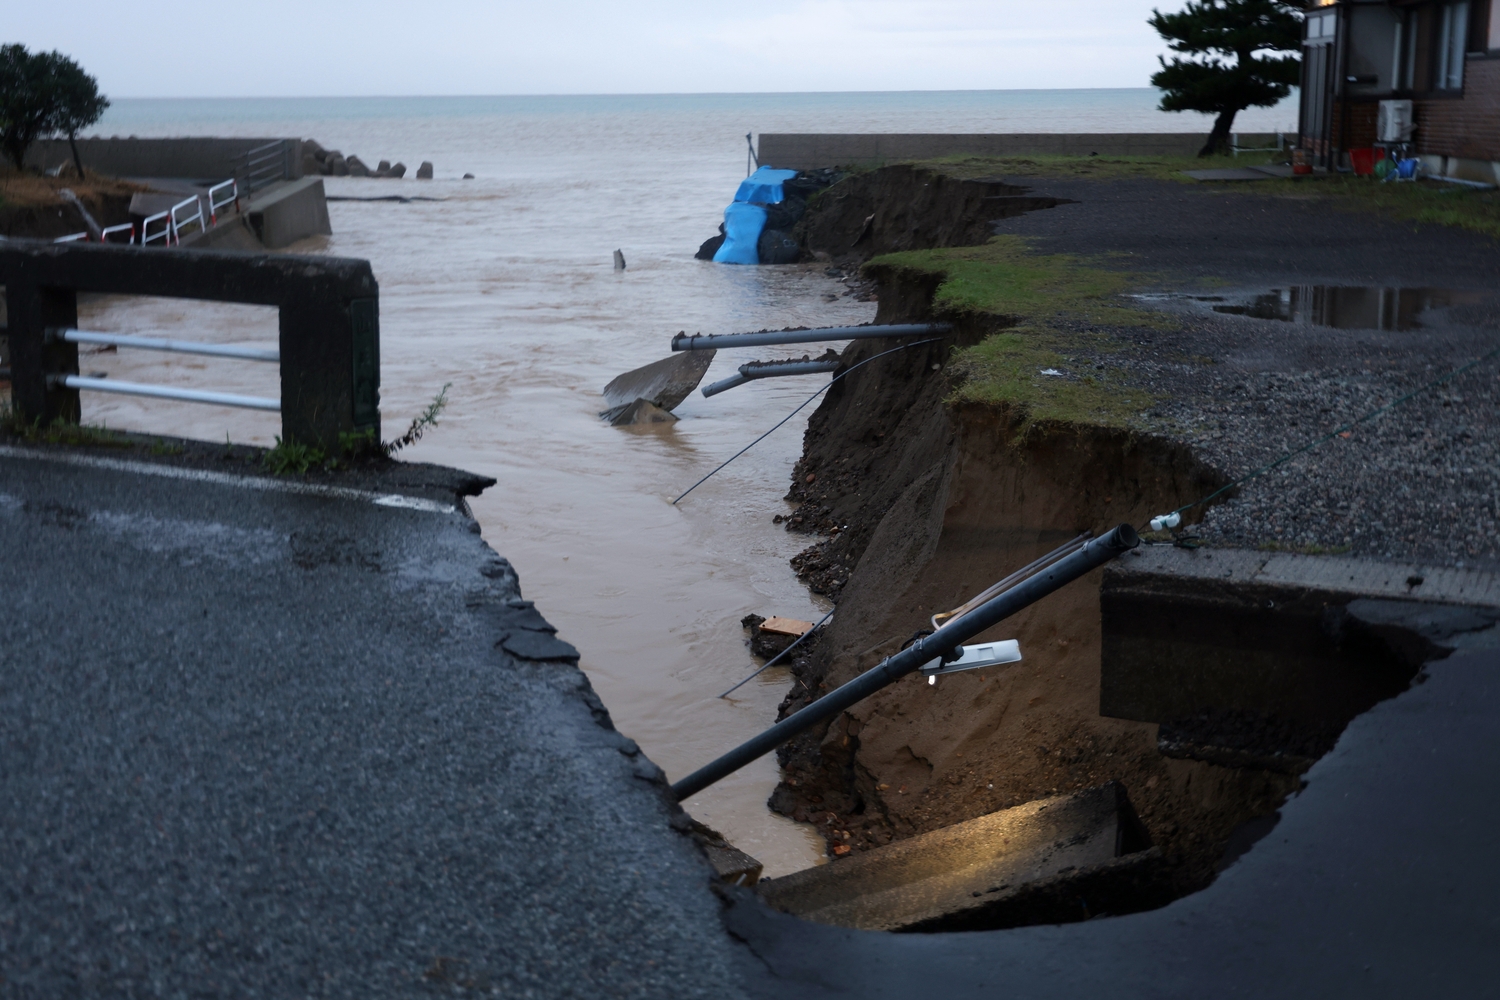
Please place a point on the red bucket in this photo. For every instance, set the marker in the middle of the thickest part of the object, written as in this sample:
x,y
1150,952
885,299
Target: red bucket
x,y
1363,161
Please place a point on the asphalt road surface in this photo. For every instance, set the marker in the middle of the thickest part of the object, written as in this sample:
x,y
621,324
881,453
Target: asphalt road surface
x,y
259,743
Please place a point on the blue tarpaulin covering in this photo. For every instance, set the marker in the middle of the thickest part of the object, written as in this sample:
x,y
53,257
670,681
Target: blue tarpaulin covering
x,y
742,227
764,186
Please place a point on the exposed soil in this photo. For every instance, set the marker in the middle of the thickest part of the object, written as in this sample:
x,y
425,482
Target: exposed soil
x,y
31,206
917,503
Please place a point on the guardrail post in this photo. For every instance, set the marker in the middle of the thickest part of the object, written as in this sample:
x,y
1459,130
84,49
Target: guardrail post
x,y
329,323
31,309
330,365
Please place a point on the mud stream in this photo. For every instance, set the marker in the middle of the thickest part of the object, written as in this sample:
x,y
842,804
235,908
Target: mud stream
x,y
528,321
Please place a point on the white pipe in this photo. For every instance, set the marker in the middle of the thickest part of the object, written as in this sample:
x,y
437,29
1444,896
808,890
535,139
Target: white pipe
x,y
177,346
163,392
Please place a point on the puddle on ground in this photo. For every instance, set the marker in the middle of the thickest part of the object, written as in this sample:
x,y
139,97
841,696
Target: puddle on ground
x,y
1347,307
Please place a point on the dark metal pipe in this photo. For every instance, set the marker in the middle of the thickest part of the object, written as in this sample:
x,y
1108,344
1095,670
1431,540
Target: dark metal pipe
x,y
705,341
940,644
770,369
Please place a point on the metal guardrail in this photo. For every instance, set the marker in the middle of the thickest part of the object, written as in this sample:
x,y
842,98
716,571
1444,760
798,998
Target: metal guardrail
x,y
187,220
76,382
148,237
124,227
72,238
327,341
271,354
215,202
265,165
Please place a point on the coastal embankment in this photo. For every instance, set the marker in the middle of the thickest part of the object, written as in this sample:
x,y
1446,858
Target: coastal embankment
x,y
1110,363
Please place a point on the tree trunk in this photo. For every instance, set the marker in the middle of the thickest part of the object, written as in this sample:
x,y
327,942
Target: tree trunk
x,y
1218,139
77,162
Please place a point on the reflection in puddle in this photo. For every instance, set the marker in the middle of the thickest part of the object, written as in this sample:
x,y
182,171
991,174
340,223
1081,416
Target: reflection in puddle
x,y
1350,307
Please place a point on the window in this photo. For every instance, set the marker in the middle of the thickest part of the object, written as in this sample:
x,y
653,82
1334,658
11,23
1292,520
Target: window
x,y
1452,42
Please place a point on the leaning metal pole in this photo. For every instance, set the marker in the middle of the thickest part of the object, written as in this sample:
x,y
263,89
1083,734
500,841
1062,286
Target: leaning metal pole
x,y
940,644
705,341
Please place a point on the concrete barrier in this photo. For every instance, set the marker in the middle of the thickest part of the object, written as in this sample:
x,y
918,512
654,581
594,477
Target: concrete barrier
x,y
810,150
285,213
200,158
329,323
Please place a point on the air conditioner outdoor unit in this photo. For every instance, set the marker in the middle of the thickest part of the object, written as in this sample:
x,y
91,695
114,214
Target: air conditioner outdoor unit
x,y
1395,123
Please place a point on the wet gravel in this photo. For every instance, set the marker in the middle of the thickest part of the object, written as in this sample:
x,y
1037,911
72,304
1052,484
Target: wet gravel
x,y
1421,482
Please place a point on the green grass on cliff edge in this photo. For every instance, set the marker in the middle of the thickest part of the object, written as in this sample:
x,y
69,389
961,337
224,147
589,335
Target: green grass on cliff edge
x,y
1053,300
1429,202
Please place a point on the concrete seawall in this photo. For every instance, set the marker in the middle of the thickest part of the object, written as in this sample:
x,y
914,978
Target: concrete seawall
x,y
195,157
810,150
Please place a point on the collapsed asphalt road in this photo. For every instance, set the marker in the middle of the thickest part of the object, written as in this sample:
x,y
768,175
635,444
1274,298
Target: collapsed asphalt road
x,y
269,743
259,743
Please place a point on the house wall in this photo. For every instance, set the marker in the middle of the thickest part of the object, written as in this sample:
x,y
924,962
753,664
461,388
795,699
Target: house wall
x,y
1467,127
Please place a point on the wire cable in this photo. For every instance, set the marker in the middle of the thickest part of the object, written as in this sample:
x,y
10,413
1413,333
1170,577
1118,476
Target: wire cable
x,y
775,659
809,399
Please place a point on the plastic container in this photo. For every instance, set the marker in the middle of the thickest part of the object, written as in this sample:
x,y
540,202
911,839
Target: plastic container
x,y
1363,161
1299,162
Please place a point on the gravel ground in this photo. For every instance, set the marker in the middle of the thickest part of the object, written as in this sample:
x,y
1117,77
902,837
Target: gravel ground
x,y
1421,482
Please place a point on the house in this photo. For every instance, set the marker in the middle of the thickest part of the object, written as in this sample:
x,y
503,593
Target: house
x,y
1427,71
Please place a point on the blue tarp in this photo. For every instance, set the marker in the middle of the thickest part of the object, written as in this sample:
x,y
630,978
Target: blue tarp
x,y
764,186
742,227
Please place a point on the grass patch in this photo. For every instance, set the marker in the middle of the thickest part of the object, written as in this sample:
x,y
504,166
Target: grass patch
x,y
60,432
1168,168
1004,278
1430,202
1050,296
1011,367
290,457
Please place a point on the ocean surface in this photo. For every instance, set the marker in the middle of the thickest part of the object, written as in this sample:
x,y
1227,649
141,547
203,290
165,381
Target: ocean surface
x,y
504,291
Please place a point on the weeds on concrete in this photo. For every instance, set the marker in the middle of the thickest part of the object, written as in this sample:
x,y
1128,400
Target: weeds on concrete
x,y
290,457
60,432
420,424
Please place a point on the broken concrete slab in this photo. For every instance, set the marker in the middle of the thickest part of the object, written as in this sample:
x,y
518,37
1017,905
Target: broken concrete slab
x,y
642,411
967,875
666,383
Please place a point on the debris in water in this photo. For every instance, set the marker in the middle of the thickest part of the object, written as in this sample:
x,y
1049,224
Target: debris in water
x,y
665,383
642,411
786,626
619,261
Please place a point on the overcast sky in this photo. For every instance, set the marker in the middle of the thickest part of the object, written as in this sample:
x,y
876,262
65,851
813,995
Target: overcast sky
x,y
177,48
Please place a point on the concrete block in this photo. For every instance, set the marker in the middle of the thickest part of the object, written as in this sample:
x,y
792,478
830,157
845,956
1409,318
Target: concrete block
x,y
665,383
328,309
976,873
287,212
424,172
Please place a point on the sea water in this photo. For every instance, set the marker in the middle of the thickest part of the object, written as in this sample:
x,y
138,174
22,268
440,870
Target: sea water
x,y
503,290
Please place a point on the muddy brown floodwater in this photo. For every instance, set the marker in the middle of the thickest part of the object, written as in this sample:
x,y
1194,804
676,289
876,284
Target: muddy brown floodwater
x,y
528,328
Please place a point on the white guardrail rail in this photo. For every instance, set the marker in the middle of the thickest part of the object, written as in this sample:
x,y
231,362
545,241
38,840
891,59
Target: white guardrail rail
x,y
70,335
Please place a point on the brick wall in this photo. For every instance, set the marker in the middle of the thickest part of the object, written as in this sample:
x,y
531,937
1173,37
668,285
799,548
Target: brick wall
x,y
1469,127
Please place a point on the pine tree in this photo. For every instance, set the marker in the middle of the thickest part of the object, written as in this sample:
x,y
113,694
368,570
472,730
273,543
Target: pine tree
x,y
41,94
1231,71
